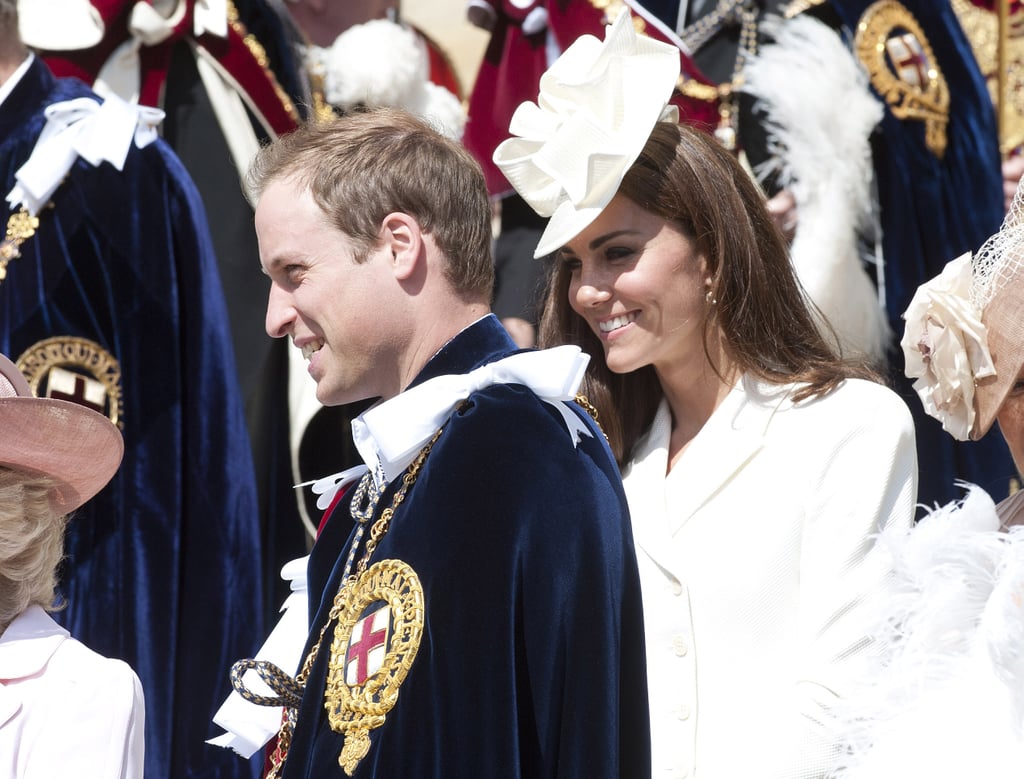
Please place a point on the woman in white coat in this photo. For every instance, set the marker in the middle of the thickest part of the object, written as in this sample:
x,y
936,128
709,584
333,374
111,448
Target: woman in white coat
x,y
758,464
64,710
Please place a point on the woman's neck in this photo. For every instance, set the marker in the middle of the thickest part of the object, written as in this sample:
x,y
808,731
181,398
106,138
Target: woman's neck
x,y
693,393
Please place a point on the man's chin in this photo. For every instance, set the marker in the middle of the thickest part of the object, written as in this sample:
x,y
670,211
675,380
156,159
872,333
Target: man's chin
x,y
342,398
327,398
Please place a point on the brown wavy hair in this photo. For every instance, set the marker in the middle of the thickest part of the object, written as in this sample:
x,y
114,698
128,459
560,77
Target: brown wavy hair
x,y
762,314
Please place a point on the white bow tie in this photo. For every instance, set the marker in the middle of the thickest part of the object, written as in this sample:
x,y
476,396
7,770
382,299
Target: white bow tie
x,y
390,435
96,132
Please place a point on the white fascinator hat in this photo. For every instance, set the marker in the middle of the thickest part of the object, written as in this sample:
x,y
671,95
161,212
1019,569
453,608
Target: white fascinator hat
x,y
964,338
597,106
76,447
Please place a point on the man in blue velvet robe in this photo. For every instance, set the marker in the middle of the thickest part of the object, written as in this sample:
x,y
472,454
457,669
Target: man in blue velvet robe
x,y
474,602
114,300
265,92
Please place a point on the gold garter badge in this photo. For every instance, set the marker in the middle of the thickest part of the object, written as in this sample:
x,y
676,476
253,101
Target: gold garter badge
x,y
998,45
75,369
903,69
379,627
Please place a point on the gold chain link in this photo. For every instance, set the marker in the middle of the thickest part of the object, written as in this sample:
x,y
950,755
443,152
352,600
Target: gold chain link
x,y
377,532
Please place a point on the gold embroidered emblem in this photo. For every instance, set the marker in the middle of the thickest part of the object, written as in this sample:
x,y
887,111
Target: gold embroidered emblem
x,y
20,227
375,642
985,32
903,69
75,369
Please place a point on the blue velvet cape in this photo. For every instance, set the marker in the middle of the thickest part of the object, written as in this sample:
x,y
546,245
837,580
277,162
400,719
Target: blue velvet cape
x,y
162,566
532,657
932,211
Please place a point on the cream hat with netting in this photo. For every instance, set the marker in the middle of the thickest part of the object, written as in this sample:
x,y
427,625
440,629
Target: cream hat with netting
x,y
964,339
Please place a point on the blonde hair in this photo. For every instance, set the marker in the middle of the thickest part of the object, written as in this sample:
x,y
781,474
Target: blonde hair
x,y
31,544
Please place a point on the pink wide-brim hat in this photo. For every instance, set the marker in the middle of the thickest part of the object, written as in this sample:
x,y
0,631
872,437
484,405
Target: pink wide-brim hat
x,y
76,447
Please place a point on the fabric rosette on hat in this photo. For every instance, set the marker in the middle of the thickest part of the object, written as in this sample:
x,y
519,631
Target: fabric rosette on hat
x,y
945,347
964,339
597,106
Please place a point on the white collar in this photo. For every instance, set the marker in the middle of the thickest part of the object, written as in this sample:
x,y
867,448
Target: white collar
x,y
26,647
28,643
391,434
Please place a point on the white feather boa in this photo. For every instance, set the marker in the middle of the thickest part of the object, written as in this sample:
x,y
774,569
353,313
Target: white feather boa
x,y
946,697
820,114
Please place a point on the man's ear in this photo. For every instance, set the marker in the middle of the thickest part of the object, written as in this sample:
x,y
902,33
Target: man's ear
x,y
402,239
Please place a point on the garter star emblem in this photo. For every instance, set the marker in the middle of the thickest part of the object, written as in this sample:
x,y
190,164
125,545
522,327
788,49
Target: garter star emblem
x,y
379,628
903,69
75,369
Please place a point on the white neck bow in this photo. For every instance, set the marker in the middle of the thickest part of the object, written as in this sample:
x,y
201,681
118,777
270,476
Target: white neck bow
x,y
81,127
390,435
393,433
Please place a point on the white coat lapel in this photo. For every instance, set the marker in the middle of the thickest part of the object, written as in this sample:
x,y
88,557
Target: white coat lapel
x,y
10,703
661,505
729,439
644,482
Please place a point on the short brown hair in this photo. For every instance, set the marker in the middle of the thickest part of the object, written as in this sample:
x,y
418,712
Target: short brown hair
x,y
362,166
766,323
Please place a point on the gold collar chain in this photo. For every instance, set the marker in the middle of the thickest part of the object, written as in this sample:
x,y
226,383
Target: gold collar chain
x,y
20,227
724,14
728,13
377,532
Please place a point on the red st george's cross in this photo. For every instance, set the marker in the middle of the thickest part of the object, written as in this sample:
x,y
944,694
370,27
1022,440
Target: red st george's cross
x,y
62,384
367,646
909,59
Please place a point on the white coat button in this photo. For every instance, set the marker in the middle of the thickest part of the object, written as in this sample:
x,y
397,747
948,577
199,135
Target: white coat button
x,y
680,646
683,712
